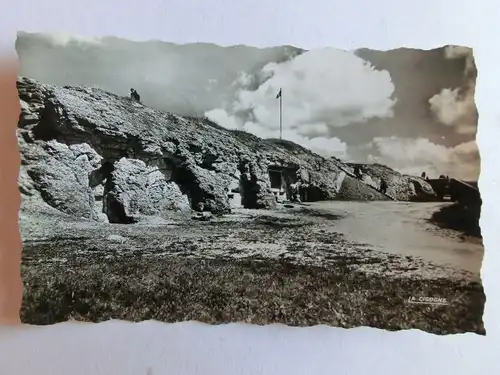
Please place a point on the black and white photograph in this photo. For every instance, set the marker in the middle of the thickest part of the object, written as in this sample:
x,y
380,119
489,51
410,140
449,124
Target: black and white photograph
x,y
223,184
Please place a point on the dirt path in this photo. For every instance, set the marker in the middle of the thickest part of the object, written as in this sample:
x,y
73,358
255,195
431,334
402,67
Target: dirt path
x,y
402,228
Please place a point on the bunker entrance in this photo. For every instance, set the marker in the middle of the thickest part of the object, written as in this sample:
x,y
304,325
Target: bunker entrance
x,y
281,180
276,177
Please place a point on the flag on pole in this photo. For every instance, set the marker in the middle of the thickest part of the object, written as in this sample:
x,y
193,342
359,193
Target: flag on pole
x,y
281,113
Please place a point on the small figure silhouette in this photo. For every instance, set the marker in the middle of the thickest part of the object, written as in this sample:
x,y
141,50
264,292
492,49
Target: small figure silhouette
x,y
358,172
383,186
135,95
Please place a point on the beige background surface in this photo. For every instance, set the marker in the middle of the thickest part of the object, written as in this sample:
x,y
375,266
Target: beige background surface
x,y
10,242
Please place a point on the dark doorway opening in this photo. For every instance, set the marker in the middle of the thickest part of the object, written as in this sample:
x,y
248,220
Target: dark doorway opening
x,y
276,178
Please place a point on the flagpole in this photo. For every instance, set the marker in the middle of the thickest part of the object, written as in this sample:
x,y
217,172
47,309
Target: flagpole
x,y
281,114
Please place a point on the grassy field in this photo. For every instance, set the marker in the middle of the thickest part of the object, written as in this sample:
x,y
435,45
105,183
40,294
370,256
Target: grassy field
x,y
219,291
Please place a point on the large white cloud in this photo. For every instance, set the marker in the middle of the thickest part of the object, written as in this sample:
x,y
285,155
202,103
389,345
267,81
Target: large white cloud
x,y
454,107
322,89
414,156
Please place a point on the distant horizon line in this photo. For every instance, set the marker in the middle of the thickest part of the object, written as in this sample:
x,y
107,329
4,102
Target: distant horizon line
x,y
87,38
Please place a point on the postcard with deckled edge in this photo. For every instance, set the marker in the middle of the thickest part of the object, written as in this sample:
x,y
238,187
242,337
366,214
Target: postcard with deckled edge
x,y
236,184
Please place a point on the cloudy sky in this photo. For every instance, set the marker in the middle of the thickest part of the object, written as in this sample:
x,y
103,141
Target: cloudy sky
x,y
412,110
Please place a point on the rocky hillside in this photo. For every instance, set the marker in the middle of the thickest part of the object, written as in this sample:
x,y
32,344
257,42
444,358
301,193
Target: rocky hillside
x,y
400,187
95,155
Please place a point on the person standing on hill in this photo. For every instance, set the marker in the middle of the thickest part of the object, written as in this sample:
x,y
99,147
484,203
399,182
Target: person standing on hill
x,y
134,95
358,172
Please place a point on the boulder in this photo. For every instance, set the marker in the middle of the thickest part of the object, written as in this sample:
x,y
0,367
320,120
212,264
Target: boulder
x,y
134,189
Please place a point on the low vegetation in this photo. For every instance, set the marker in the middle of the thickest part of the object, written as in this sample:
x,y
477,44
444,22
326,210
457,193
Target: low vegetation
x,y
259,292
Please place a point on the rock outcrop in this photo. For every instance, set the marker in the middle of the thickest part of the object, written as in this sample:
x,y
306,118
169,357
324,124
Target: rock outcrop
x,y
399,186
98,156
